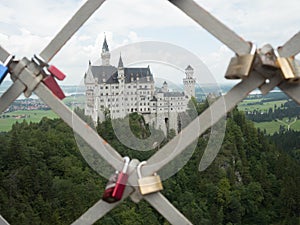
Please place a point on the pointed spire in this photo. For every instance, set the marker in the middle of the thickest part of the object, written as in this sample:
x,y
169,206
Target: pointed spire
x,y
189,67
105,45
120,65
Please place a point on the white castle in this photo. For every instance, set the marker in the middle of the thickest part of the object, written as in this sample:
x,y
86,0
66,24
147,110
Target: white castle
x,y
123,90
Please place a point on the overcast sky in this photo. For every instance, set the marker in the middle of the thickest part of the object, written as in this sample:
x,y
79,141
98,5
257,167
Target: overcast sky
x,y
27,26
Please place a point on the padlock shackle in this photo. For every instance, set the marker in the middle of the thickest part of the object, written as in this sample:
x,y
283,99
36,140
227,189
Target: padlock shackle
x,y
126,160
139,168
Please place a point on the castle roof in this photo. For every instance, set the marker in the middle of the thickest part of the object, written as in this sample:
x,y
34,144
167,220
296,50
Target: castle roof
x,y
104,72
189,67
173,94
105,45
110,74
120,64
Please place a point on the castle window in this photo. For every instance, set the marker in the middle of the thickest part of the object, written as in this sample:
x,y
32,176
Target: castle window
x,y
117,87
106,87
128,86
101,94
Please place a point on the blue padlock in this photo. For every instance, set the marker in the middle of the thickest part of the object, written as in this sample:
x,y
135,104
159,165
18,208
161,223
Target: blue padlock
x,y
3,72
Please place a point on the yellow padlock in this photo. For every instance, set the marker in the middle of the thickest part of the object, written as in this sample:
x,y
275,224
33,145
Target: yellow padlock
x,y
148,184
288,68
240,66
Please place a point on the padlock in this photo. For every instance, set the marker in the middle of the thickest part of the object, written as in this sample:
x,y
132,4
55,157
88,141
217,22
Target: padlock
x,y
4,68
240,66
122,180
110,186
149,184
116,184
56,72
288,68
51,69
3,72
51,83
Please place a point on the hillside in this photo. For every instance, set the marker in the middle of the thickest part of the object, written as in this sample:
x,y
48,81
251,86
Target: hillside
x,y
45,180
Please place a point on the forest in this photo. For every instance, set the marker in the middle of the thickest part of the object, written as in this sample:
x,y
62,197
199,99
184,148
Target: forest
x,y
289,110
45,180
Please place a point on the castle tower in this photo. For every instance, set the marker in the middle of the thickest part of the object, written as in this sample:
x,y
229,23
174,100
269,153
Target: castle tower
x,y
165,87
105,54
121,75
189,82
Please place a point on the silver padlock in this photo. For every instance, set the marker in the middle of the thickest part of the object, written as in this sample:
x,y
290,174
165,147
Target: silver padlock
x,y
148,184
240,66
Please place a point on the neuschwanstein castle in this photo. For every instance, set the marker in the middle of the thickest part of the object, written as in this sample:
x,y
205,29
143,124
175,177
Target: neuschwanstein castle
x,y
124,90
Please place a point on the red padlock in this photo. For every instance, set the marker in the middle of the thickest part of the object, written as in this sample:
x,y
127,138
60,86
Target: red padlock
x,y
56,72
122,180
110,186
116,184
51,83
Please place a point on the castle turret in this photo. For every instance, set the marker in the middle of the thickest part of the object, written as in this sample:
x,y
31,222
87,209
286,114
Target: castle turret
x,y
105,54
165,87
189,82
121,75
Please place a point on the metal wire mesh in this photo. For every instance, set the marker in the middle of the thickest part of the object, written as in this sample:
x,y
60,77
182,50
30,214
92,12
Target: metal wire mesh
x,y
250,66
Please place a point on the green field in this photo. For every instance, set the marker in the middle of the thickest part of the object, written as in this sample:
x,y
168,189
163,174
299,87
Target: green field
x,y
271,126
263,106
30,116
35,116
